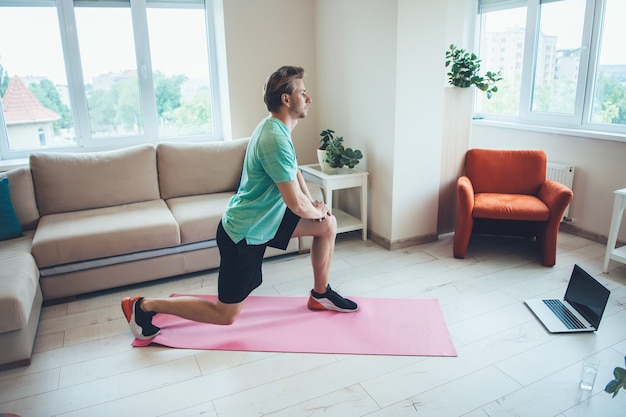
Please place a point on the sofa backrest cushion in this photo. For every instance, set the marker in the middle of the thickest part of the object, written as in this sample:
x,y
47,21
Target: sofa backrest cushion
x,y
506,171
70,182
23,197
187,169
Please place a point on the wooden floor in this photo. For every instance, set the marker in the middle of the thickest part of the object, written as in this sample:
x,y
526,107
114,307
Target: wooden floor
x,y
507,364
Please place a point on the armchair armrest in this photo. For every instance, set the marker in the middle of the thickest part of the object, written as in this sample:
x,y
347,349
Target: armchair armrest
x,y
464,219
556,196
465,194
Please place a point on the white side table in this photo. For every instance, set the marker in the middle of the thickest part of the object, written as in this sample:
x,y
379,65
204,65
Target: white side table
x,y
618,254
344,178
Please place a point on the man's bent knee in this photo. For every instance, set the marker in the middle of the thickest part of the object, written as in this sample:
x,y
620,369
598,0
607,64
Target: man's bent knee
x,y
331,224
228,313
326,228
227,320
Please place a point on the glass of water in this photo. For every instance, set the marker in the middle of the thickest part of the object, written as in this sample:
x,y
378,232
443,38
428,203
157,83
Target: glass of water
x,y
588,372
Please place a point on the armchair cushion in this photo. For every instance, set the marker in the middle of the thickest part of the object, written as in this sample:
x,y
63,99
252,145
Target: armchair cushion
x,y
510,207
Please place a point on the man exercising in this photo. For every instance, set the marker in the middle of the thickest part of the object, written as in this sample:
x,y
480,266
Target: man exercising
x,y
271,206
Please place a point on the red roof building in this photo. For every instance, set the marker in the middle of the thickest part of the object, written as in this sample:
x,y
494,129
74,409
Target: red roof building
x,y
22,107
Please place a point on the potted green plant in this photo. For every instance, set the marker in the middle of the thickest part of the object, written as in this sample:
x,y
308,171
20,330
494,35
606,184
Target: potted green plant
x,y
332,154
619,382
464,71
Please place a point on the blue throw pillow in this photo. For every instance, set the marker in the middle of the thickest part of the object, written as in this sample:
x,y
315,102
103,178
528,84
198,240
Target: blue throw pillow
x,y
9,225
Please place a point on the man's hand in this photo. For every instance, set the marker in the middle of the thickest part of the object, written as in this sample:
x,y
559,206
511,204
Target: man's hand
x,y
301,203
323,208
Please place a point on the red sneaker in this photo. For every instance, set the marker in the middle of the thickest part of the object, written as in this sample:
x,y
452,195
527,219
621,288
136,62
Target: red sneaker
x,y
139,321
330,300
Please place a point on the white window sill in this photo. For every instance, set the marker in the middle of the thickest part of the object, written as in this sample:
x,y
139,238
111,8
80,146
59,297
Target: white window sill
x,y
9,164
592,134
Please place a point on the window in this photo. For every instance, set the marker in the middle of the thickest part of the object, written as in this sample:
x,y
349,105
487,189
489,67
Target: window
x,y
609,93
563,62
559,52
88,74
33,82
502,49
110,75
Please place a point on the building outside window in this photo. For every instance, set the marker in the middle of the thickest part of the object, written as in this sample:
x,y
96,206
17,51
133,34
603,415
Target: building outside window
x,y
563,63
108,73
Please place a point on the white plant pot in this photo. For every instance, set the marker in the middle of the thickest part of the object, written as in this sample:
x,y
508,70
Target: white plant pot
x,y
326,168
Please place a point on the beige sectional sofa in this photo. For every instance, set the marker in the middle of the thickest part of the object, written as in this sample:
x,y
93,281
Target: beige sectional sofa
x,y
100,220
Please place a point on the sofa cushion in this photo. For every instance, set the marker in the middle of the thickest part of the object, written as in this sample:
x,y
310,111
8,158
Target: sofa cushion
x,y
10,227
19,281
198,215
200,168
99,233
69,182
23,197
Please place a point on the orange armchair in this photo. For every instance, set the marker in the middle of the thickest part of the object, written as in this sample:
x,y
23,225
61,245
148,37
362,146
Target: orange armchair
x,y
505,192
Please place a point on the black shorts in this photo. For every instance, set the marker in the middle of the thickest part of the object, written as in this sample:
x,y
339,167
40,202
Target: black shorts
x,y
240,263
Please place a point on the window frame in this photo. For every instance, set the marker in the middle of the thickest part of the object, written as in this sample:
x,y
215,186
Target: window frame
x,y
579,122
85,141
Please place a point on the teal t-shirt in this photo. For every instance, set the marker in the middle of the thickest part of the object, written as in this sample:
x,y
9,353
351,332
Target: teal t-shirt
x,y
255,211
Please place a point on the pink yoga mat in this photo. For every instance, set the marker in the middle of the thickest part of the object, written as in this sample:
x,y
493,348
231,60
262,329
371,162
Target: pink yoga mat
x,y
381,326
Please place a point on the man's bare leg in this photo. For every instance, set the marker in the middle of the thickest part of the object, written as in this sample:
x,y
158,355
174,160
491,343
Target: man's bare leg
x,y
139,312
194,308
324,233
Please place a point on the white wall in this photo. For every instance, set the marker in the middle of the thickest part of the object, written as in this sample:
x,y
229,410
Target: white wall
x,y
376,75
380,66
356,63
419,117
261,36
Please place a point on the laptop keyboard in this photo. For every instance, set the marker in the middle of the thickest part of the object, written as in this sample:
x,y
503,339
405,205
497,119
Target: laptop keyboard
x,y
566,316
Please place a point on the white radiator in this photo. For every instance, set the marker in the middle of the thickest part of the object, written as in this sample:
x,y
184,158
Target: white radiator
x,y
565,175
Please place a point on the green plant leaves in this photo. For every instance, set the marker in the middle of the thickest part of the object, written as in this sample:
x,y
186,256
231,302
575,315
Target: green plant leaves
x,y
327,137
619,382
337,156
351,157
464,71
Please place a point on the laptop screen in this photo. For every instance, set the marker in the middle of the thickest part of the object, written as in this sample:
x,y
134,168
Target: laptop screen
x,y
587,295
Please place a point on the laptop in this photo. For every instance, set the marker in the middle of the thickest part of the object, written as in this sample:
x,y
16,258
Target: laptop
x,y
580,310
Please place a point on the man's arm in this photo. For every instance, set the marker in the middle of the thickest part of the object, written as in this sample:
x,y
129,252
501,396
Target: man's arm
x,y
299,201
303,186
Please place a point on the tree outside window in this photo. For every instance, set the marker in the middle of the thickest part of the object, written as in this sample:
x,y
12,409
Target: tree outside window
x,y
573,74
108,91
